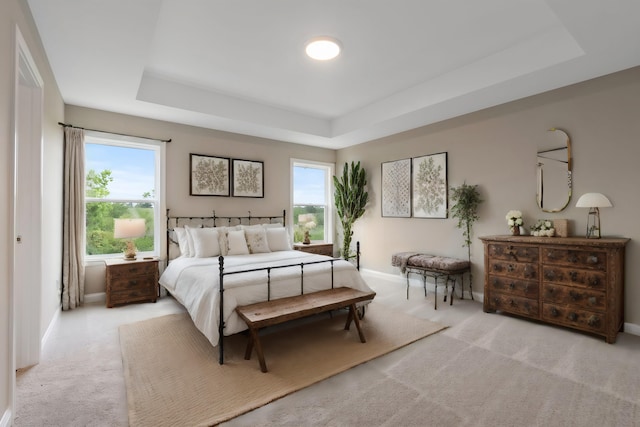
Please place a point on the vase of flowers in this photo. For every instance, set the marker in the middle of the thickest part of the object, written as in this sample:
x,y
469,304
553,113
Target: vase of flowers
x,y
543,227
514,219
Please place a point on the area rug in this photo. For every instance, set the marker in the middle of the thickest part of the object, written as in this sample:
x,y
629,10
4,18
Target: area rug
x,y
173,377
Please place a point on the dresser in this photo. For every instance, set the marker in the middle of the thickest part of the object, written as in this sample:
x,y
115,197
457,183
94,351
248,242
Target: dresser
x,y
573,282
315,248
131,281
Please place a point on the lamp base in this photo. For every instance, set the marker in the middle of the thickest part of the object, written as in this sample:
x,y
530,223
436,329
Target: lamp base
x,y
593,223
130,251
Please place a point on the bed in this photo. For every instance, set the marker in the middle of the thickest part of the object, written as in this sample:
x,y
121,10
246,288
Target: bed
x,y
233,261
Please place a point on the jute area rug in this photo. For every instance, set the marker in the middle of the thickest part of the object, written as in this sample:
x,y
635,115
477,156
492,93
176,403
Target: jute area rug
x,y
173,377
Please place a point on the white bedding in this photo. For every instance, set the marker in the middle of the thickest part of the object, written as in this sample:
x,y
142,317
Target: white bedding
x,y
194,283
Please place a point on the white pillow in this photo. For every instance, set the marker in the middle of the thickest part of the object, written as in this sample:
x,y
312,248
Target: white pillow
x,y
192,249
272,225
257,240
278,239
237,245
205,242
183,243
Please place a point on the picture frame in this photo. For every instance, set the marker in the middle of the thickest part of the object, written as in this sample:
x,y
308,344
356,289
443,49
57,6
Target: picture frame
x,y
396,189
248,178
429,195
209,175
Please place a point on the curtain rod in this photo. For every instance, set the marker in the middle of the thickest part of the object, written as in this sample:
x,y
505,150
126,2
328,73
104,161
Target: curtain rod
x,y
113,133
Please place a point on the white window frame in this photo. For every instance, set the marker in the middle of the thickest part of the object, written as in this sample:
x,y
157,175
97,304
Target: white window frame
x,y
159,229
329,210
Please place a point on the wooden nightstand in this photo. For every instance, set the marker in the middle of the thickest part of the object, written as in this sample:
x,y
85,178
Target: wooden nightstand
x,y
315,248
131,281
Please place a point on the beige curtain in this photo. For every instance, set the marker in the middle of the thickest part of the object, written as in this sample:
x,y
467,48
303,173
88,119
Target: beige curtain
x,y
74,218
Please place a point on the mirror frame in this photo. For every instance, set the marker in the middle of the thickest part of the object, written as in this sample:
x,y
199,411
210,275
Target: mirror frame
x,y
569,174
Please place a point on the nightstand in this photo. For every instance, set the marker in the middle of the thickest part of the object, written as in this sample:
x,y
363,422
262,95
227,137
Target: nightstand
x,y
131,281
315,248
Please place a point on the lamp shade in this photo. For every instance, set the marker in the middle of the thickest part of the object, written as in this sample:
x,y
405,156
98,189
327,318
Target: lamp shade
x,y
593,200
128,228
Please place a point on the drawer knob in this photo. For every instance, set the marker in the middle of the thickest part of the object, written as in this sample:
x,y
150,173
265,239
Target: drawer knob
x,y
573,317
551,255
512,285
554,312
573,275
592,259
512,303
510,268
574,296
593,300
572,258
549,275
593,321
594,281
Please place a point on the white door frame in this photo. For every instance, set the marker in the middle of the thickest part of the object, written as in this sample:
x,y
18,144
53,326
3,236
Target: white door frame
x,y
25,266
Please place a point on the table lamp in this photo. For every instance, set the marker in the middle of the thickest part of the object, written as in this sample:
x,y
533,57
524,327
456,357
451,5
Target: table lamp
x,y
593,201
125,228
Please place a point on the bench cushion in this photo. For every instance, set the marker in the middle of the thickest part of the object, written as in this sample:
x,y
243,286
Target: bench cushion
x,y
418,260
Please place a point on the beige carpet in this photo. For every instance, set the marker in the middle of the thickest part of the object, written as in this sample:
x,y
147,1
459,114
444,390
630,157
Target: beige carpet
x,y
173,377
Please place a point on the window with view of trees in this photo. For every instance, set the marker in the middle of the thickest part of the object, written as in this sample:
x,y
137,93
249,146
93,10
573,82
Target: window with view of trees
x,y
312,207
122,181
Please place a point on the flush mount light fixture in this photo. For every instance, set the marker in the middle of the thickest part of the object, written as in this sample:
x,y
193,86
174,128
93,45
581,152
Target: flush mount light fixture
x,y
323,48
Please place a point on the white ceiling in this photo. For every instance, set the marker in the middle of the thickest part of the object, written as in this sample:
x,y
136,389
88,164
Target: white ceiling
x,y
239,66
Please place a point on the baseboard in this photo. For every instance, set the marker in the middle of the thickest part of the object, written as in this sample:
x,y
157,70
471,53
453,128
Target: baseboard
x,y
632,328
6,418
97,297
45,337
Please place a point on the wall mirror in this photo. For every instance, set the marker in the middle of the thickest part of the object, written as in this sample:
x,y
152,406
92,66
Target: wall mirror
x,y
554,171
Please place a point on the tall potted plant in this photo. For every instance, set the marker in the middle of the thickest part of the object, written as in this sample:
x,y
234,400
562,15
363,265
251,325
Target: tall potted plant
x,y
351,198
466,200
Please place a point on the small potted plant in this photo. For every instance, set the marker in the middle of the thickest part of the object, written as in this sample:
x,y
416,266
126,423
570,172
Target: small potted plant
x,y
514,219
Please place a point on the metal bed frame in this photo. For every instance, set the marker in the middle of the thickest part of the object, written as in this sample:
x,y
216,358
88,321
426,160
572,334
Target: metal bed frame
x,y
203,221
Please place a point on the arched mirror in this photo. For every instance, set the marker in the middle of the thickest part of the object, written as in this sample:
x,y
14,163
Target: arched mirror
x,y
554,171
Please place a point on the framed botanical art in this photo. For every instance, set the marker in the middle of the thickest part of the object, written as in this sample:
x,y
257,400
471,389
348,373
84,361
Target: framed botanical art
x,y
429,186
396,188
209,175
248,178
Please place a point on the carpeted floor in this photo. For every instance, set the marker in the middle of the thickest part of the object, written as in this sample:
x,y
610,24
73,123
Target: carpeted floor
x,y
483,370
173,377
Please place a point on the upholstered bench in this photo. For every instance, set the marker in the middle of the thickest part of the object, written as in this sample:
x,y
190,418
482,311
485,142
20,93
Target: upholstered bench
x,y
436,267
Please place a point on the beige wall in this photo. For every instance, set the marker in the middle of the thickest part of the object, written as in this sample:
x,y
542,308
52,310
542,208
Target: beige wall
x,y
12,13
276,156
496,149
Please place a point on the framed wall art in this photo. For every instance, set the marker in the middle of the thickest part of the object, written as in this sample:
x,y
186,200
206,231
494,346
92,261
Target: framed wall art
x,y
429,186
209,175
396,189
248,178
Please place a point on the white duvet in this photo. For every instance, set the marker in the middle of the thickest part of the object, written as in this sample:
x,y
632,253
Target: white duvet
x,y
194,283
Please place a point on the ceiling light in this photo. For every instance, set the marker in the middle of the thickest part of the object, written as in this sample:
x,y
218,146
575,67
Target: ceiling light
x,y
323,48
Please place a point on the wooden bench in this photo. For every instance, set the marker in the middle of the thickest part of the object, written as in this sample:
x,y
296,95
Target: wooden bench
x,y
436,267
274,312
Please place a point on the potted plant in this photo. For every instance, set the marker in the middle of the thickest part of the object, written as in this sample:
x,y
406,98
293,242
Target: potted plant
x,y
351,198
466,200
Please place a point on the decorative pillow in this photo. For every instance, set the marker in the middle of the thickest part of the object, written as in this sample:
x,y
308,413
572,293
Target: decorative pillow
x,y
257,240
205,242
192,249
237,245
183,243
278,239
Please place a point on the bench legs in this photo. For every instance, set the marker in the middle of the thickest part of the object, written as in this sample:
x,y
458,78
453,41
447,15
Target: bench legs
x,y
448,278
254,340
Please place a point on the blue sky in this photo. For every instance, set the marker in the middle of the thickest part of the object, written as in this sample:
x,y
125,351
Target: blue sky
x,y
131,169
309,185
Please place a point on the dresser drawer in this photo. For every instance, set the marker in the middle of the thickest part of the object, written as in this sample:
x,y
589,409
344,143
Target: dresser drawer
x,y
132,295
509,252
513,304
575,297
133,269
593,260
589,279
513,286
574,317
516,270
133,283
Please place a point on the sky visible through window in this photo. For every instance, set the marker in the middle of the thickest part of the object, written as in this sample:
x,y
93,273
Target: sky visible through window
x,y
309,186
132,169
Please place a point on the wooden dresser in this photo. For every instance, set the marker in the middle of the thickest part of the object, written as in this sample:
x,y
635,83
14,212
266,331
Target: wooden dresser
x,y
574,282
315,248
131,281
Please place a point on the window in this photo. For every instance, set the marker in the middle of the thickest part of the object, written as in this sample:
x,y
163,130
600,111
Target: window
x,y
311,185
123,180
